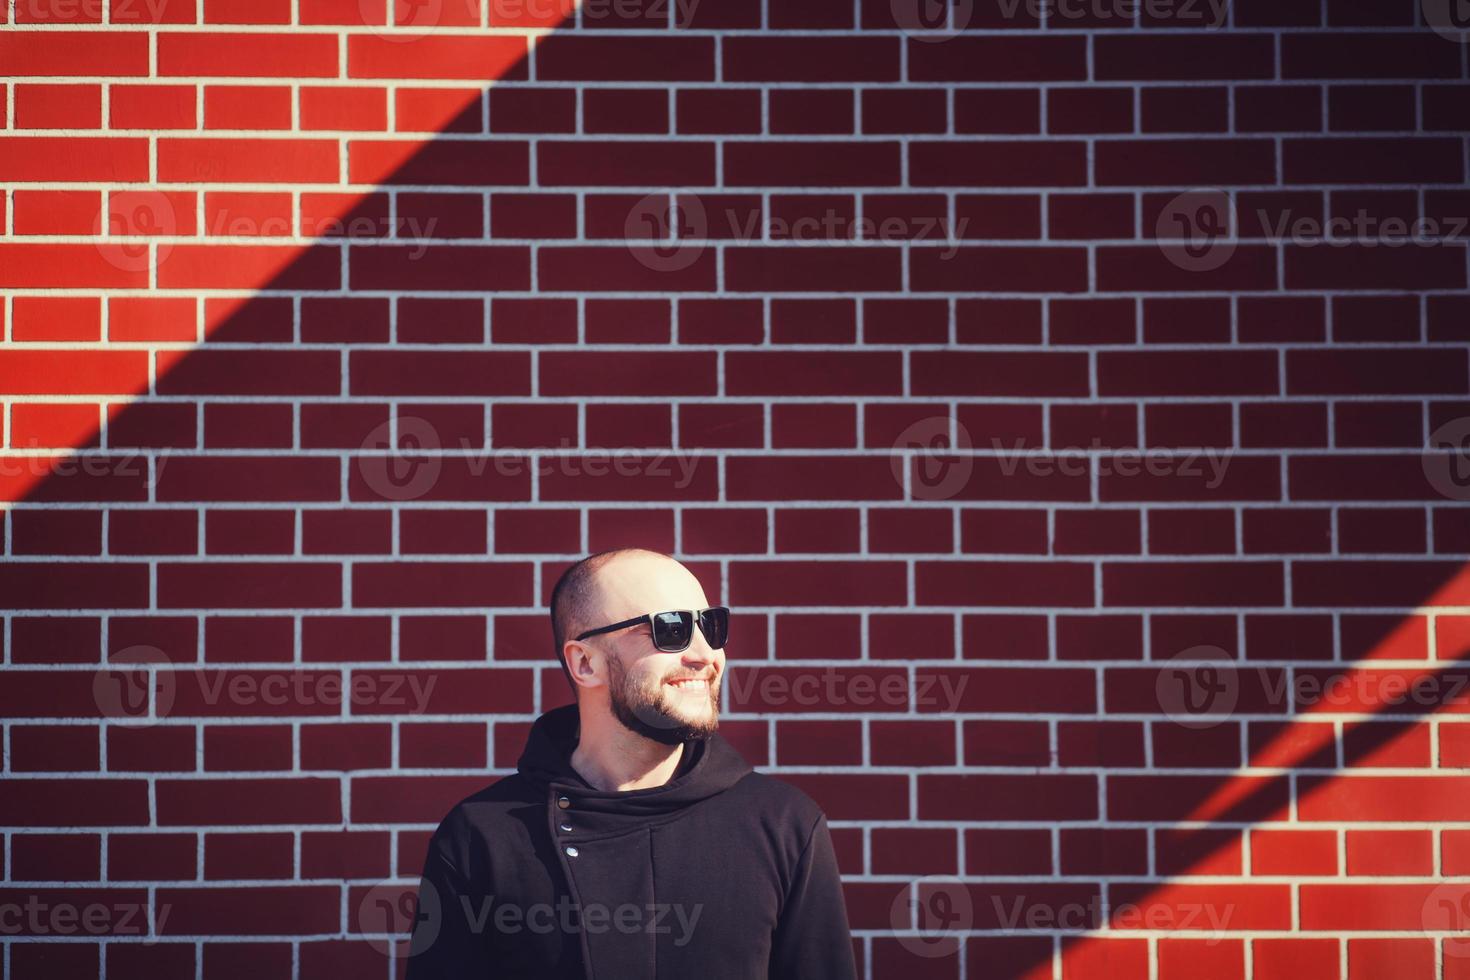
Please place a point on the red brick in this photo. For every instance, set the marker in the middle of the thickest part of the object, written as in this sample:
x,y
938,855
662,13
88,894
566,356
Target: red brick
x,y
301,55
1020,58
255,910
340,108
248,586
1193,584
442,267
440,584
1204,55
1001,583
446,56
627,373
811,59
1380,160
59,803
627,163
993,797
806,268
256,161
1408,55
58,106
717,111
1381,798
563,57
117,53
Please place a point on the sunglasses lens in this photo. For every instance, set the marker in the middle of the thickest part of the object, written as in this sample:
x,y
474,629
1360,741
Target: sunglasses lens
x,y
715,624
672,631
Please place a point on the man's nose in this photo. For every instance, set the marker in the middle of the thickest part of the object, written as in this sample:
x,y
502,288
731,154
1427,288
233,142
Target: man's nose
x,y
699,652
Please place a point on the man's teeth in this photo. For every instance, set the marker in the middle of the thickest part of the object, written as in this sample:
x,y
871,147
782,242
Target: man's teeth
x,y
689,684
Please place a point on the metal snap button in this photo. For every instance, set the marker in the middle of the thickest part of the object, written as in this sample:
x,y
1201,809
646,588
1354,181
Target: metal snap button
x,y
571,852
563,802
566,828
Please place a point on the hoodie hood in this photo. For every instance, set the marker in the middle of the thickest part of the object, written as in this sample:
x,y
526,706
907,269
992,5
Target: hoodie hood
x,y
546,764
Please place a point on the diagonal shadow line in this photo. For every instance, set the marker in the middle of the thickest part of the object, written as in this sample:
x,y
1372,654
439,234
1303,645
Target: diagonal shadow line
x,y
1234,802
138,426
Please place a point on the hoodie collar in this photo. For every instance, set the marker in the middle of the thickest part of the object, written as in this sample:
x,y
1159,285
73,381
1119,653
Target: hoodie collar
x,y
546,764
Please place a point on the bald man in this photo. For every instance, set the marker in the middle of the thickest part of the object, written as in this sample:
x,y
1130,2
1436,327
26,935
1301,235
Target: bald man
x,y
633,841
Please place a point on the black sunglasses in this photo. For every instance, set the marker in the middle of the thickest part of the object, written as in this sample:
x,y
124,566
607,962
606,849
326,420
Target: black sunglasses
x,y
673,631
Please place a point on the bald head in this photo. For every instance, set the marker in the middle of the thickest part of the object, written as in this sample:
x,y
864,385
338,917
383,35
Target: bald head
x,y
611,586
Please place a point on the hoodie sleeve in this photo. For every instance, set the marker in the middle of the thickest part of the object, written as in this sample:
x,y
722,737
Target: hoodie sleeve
x,y
812,941
445,946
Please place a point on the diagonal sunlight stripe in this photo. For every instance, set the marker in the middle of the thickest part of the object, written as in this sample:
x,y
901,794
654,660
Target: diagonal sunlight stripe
x,y
131,373
144,257
1291,748
1288,751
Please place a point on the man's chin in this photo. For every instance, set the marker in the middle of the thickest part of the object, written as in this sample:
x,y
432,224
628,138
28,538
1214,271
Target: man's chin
x,y
670,726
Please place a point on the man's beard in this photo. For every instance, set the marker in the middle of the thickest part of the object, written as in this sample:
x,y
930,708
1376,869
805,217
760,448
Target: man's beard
x,y
652,717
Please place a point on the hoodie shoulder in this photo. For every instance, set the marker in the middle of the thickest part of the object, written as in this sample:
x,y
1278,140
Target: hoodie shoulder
x,y
484,814
780,801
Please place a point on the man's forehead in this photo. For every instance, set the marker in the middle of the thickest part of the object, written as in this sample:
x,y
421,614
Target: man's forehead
x,y
635,584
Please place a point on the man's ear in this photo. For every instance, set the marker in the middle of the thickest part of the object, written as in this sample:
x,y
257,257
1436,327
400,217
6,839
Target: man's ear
x,y
586,664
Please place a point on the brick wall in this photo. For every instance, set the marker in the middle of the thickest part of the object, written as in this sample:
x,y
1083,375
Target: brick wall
x,y
1095,525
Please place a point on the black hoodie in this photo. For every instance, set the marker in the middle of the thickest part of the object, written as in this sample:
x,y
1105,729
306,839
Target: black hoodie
x,y
720,873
